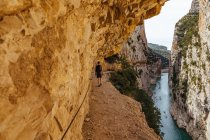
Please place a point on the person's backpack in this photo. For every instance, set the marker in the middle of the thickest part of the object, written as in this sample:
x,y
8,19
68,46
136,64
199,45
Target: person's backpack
x,y
98,68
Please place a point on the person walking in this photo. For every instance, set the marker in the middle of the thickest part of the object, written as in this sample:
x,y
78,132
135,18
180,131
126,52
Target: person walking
x,y
98,73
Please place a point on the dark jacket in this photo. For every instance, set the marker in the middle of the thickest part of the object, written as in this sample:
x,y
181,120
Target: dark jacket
x,y
98,69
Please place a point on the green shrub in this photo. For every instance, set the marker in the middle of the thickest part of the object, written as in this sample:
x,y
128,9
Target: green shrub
x,y
112,59
174,78
124,63
151,112
187,27
126,82
185,89
207,55
204,66
208,58
193,63
185,65
194,79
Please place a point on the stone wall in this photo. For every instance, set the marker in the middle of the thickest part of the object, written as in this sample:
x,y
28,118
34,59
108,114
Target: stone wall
x,y
47,49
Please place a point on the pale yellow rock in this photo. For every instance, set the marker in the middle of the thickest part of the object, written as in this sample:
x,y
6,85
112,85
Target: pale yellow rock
x,y
47,49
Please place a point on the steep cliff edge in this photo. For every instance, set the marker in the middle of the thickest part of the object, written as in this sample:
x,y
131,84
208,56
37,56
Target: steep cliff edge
x,y
145,62
47,49
190,72
115,116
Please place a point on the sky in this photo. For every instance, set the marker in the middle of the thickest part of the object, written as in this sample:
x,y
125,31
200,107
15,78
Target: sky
x,y
160,29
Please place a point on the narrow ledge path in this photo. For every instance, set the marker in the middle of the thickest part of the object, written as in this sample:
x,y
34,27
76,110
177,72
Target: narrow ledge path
x,y
113,116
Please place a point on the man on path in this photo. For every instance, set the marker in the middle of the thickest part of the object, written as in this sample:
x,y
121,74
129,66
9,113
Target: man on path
x,y
98,72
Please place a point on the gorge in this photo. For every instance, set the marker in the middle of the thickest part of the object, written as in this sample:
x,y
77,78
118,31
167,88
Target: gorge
x,y
162,99
48,49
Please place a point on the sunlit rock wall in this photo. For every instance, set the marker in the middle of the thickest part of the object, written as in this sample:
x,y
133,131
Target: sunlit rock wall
x,y
47,49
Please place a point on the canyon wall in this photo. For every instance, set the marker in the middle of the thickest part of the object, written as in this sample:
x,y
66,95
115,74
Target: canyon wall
x,y
47,49
190,71
145,62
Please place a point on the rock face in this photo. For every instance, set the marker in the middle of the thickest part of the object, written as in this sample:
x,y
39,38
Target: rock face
x,y
190,72
145,62
47,49
194,6
162,52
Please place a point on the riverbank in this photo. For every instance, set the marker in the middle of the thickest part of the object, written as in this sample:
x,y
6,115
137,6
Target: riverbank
x,y
162,99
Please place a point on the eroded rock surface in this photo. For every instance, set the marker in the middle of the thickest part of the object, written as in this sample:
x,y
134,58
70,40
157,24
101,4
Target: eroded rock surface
x,y
145,62
47,49
190,72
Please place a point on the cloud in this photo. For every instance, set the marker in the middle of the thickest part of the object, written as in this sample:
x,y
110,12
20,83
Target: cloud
x,y
160,29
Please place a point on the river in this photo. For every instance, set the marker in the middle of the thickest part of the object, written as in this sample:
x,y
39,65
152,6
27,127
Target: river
x,y
161,97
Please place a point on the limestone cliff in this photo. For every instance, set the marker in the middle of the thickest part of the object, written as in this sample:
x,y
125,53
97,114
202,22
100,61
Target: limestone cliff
x,y
190,72
162,52
145,62
47,49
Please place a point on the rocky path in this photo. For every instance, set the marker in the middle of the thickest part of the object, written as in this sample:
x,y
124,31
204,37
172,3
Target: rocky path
x,y
113,116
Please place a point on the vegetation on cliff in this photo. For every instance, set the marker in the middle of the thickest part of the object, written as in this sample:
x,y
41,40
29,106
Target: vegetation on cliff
x,y
154,54
187,28
158,47
125,80
161,52
190,72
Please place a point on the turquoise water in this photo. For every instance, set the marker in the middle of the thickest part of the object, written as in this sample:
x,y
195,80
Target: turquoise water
x,y
161,97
